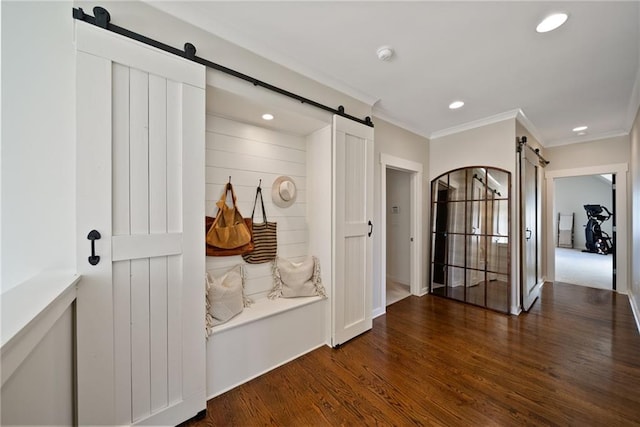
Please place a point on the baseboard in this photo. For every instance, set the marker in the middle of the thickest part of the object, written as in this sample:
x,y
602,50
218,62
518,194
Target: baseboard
x,y
635,309
378,312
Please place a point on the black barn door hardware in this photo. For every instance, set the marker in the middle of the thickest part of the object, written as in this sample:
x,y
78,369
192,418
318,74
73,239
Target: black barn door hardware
x,y
102,19
523,141
93,236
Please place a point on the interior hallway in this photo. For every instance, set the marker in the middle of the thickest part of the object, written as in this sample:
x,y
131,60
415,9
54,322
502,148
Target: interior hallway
x,y
396,291
572,360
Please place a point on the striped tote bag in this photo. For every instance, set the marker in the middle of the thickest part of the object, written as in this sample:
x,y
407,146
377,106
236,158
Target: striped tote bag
x,y
265,238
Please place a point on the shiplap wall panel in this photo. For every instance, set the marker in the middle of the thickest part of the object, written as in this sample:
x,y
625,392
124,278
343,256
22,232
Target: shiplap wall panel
x,y
249,153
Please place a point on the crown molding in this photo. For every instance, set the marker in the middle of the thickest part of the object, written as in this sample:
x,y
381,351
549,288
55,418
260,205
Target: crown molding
x,y
586,138
383,115
512,114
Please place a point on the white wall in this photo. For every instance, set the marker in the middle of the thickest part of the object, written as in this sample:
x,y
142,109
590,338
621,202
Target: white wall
x,y
37,219
249,153
398,226
38,140
40,391
572,193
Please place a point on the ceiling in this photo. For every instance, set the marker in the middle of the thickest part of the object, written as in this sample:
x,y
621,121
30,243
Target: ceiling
x,y
486,54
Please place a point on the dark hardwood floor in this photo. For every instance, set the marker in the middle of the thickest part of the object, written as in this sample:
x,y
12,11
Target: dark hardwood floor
x,y
574,359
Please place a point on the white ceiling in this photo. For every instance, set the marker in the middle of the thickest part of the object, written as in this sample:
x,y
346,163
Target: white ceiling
x,y
487,54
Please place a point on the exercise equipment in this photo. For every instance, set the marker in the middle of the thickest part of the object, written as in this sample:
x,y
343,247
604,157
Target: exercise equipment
x,y
597,241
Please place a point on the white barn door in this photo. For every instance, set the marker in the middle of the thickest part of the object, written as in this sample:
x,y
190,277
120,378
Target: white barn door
x,y
352,287
140,175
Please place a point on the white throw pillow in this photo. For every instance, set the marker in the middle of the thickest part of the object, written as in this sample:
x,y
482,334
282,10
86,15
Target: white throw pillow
x,y
225,296
296,279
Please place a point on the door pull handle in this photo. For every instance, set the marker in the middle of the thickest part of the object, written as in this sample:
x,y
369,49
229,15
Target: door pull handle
x,y
528,231
93,236
370,229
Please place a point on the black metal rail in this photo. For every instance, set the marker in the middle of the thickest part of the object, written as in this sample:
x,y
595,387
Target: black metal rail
x,y
523,142
102,19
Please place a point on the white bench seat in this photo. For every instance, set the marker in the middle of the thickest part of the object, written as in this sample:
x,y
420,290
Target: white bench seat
x,y
264,336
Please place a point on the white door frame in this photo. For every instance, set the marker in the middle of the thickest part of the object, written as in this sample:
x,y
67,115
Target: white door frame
x,y
415,170
622,248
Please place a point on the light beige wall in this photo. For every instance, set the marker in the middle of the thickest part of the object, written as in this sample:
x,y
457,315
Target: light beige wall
x,y
145,19
398,226
491,145
395,141
594,153
635,214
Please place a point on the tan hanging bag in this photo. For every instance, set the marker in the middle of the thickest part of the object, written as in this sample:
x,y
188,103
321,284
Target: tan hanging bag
x,y
229,230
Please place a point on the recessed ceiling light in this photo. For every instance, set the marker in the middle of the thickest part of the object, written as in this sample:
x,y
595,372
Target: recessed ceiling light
x,y
551,22
455,105
579,128
267,116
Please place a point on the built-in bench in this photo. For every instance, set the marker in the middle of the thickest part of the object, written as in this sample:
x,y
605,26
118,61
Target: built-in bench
x,y
264,336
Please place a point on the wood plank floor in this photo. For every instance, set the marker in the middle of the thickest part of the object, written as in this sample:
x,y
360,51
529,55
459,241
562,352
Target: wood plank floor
x,y
574,359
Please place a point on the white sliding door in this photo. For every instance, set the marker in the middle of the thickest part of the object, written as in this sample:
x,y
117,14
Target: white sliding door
x,y
140,156
352,296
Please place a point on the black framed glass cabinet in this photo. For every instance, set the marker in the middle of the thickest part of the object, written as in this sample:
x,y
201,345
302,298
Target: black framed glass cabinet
x,y
470,236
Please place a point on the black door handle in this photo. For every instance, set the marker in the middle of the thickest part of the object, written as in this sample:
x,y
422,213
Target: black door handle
x,y
529,233
93,236
370,229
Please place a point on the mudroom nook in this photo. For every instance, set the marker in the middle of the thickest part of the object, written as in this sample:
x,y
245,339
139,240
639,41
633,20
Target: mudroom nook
x,y
183,130
251,151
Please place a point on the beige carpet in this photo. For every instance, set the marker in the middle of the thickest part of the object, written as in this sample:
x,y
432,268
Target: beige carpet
x,y
396,291
583,268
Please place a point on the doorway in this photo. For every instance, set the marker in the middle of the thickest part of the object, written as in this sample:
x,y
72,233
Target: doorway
x,y
406,176
620,170
577,260
398,235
